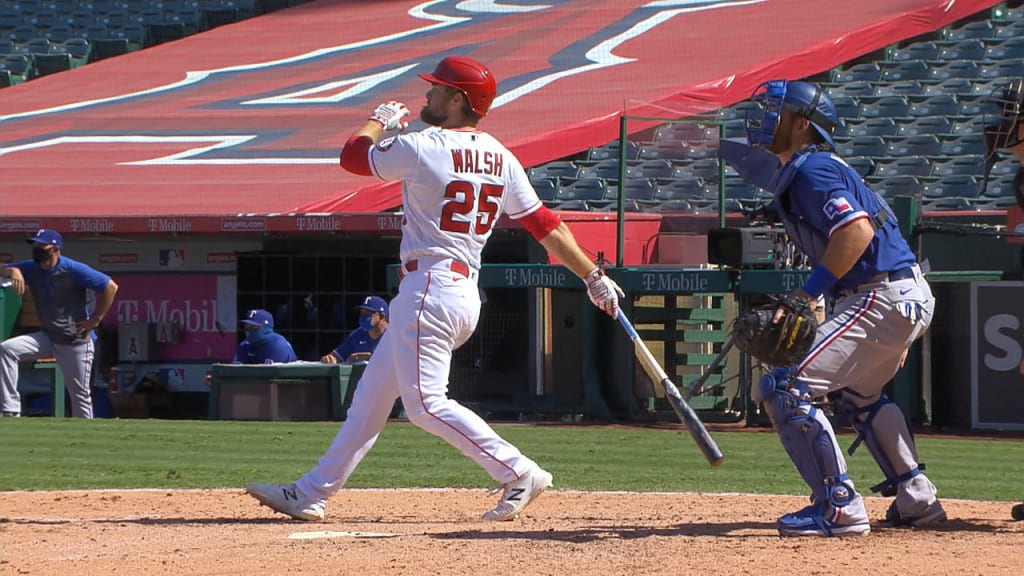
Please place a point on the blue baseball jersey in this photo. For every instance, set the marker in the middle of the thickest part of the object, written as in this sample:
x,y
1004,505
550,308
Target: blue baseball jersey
x,y
816,193
60,296
276,349
358,341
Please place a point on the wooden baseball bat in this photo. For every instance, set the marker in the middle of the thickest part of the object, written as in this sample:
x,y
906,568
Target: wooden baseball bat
x,y
683,410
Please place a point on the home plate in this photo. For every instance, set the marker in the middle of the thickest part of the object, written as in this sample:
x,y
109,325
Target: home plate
x,y
329,534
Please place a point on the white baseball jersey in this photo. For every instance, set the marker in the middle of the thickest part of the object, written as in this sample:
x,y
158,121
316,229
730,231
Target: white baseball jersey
x,y
455,185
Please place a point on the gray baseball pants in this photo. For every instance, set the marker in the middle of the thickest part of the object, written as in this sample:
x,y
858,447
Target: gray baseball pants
x,y
74,361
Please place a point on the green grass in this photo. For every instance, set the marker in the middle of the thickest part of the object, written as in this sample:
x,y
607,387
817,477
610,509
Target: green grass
x,y
46,454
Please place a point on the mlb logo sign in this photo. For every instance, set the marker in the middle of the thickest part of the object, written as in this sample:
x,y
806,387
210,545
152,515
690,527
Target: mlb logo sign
x,y
837,207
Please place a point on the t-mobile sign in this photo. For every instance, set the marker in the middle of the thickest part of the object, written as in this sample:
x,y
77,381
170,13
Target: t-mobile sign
x,y
997,355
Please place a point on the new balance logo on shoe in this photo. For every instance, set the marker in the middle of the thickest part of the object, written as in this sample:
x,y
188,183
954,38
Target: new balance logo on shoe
x,y
519,493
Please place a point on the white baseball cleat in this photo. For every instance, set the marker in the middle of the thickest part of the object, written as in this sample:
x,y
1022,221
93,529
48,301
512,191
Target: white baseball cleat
x,y
519,493
288,500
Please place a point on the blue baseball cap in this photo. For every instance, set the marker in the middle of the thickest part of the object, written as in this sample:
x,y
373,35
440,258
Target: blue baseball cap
x,y
47,237
375,304
259,318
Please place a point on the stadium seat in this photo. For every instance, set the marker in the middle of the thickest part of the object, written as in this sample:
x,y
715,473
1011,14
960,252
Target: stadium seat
x,y
39,46
909,166
962,185
590,189
666,150
7,47
611,150
937,105
690,189
136,35
605,169
867,71
738,189
937,125
1001,187
60,33
79,49
94,32
573,206
557,168
963,145
1005,49
218,13
970,49
51,63
684,132
23,33
20,67
1006,165
5,77
547,188
117,19
847,107
904,88
976,29
909,70
864,166
45,19
869,146
922,145
972,125
108,47
954,203
950,86
1003,69
81,19
890,106
657,168
10,18
673,206
707,169
883,126
856,89
739,110
635,189
897,186
1014,29
102,6
967,69
963,165
916,51
735,129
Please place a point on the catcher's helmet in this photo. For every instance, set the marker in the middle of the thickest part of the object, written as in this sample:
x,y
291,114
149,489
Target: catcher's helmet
x,y
467,76
803,98
1003,131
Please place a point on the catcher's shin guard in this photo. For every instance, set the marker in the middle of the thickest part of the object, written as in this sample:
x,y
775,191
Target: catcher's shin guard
x,y
882,427
806,435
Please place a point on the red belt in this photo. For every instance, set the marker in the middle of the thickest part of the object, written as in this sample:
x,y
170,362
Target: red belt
x,y
413,265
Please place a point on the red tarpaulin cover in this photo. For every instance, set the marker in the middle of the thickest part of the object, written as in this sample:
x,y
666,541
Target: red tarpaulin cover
x,y
247,119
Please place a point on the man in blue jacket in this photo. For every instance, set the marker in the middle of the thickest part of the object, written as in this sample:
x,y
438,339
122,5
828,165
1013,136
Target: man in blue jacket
x,y
373,321
262,345
59,288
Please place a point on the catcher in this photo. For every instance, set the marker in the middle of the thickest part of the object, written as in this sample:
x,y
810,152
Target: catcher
x,y
880,302
1007,133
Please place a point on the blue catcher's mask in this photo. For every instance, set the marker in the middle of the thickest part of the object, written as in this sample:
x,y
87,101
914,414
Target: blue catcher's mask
x,y
802,98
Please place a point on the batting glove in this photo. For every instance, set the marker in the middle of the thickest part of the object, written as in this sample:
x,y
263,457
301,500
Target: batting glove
x,y
603,292
391,116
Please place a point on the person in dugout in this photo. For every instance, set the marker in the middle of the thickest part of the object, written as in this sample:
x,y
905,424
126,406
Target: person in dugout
x,y
262,345
360,344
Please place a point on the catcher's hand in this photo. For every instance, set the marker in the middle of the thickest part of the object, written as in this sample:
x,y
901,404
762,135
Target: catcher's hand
x,y
778,334
391,116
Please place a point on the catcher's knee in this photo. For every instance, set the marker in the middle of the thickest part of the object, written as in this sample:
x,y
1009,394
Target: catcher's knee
x,y
882,427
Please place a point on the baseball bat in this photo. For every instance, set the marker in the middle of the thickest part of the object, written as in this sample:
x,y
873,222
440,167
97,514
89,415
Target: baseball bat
x,y
683,410
698,384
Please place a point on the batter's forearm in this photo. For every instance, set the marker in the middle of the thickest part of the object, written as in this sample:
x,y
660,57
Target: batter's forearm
x,y
561,244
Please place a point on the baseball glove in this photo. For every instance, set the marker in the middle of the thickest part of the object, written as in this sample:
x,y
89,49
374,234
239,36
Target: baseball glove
x,y
781,343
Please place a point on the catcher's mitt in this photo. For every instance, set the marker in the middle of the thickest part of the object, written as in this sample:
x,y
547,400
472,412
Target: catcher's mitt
x,y
781,343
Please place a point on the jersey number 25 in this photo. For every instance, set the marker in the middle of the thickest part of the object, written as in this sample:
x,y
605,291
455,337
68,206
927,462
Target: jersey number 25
x,y
463,199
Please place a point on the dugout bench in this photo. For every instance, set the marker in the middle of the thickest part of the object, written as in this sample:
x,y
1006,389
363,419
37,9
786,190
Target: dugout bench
x,y
298,391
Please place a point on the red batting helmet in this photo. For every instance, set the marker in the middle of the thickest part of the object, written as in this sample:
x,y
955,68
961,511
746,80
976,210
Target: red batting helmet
x,y
467,76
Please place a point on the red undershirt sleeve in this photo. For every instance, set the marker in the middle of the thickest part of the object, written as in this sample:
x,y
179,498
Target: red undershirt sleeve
x,y
355,155
540,222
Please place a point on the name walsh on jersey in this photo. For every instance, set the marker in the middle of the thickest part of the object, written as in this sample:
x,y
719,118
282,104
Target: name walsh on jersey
x,y
474,161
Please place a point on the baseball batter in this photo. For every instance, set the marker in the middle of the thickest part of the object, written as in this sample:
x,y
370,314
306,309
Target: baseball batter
x,y
456,182
881,303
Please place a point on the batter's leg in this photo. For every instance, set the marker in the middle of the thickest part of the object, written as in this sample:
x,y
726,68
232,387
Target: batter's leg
x,y
372,403
75,362
13,350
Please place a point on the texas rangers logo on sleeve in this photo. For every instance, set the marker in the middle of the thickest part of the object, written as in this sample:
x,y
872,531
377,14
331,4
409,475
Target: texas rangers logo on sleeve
x,y
837,207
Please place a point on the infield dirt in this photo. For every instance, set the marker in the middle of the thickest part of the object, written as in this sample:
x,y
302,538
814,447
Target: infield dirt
x,y
421,532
